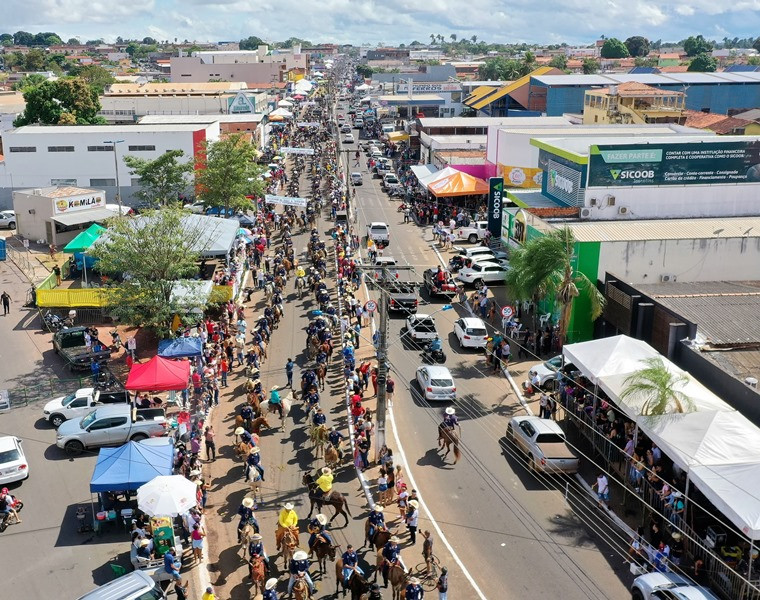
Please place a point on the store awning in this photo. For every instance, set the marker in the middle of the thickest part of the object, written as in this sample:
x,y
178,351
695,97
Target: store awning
x,y
397,136
458,184
84,240
183,347
128,467
422,171
93,215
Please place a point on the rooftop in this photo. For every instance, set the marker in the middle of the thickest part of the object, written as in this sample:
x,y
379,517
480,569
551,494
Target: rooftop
x,y
60,191
101,130
672,79
200,119
635,89
155,89
666,229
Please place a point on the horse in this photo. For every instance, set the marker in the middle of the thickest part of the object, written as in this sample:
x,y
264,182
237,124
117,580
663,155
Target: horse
x,y
327,348
287,265
258,423
321,372
448,437
245,537
268,291
334,499
318,439
356,584
378,540
300,286
242,449
257,572
255,483
254,400
301,589
332,457
396,575
289,543
323,550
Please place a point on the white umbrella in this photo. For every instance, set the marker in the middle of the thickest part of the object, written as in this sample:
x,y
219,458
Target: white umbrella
x,y
168,495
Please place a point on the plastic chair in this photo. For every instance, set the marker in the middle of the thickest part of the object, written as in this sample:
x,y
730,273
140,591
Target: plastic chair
x,y
118,570
544,319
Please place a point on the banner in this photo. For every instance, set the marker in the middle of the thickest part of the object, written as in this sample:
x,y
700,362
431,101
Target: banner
x,y
674,164
522,177
290,150
285,200
307,124
495,205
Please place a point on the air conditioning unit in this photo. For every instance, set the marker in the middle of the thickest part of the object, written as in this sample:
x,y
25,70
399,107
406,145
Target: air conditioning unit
x,y
622,210
585,213
667,278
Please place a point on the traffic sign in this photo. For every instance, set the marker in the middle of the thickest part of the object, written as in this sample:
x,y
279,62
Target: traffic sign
x,y
507,312
371,306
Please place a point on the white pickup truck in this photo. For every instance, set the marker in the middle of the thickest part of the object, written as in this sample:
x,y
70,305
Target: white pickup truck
x,y
80,403
473,233
379,233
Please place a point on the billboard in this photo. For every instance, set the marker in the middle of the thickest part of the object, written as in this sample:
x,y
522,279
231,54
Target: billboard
x,y
674,164
495,205
78,202
522,177
563,182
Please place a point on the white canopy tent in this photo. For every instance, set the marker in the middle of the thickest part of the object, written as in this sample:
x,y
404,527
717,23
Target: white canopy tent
x,y
436,175
281,112
303,85
285,103
363,87
365,100
422,171
615,355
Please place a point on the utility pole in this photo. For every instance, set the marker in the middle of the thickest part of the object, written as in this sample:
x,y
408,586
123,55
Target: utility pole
x,y
382,373
116,169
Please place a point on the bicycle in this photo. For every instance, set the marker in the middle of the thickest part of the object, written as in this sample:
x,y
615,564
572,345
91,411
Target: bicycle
x,y
428,572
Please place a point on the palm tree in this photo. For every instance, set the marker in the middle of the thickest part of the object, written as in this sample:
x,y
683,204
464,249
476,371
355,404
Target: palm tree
x,y
543,268
432,38
440,38
657,385
474,39
453,37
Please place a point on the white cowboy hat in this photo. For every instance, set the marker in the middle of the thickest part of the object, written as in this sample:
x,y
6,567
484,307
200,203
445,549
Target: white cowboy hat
x,y
395,539
300,555
271,583
322,519
451,410
414,581
239,431
326,470
288,506
144,543
254,450
378,508
256,536
195,472
274,388
248,502
414,503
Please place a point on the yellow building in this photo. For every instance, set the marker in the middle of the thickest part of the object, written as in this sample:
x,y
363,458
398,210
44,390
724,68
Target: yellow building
x,y
633,103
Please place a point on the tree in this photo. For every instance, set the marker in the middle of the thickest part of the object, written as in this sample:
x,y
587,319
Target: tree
x,y
148,256
364,70
453,37
35,60
756,44
23,38
543,268
227,173
73,42
6,37
163,179
47,38
637,45
93,42
132,48
656,386
529,58
96,76
432,39
251,43
614,48
558,61
590,66
149,41
474,39
49,101
703,63
29,81
694,45
645,61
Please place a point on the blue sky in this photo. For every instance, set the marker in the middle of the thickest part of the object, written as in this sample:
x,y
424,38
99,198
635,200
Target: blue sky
x,y
386,21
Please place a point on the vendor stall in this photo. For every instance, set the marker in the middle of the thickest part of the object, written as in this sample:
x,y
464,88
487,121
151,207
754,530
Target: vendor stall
x,y
158,375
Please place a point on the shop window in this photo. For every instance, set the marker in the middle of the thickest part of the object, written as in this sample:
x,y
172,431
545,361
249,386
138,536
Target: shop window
x,y
99,148
142,148
63,182
60,148
102,182
23,148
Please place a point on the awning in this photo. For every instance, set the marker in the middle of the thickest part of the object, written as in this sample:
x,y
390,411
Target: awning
x,y
78,217
422,171
158,375
180,347
128,467
84,240
458,184
398,136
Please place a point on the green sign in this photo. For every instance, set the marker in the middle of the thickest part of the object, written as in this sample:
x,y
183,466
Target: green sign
x,y
674,164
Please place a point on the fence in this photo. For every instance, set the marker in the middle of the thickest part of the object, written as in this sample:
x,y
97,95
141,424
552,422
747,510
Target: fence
x,y
71,298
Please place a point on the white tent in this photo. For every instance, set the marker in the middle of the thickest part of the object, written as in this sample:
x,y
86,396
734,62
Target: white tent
x,y
422,171
615,355
281,112
436,175
285,103
365,99
303,85
363,87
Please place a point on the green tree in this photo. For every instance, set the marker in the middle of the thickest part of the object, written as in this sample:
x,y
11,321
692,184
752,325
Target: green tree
x,y
23,38
703,63
149,41
227,173
35,60
656,387
95,75
543,269
163,179
364,70
49,101
694,45
645,61
637,45
29,81
529,58
47,38
756,44
132,48
453,37
73,42
148,257
590,66
6,37
614,48
432,39
474,39
558,61
97,42
251,43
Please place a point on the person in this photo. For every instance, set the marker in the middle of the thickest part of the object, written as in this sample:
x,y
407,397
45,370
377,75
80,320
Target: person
x,y
427,550
391,556
269,592
289,366
287,519
414,590
132,346
274,401
197,536
171,566
363,446
256,549
435,345
6,504
246,516
390,387
376,521
382,486
319,417
300,564
602,488
324,482
335,437
254,461
317,530
57,271
374,592
412,517
143,548
208,436
350,563
442,585
450,419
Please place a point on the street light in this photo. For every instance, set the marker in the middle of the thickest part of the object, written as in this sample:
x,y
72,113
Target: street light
x,y
116,168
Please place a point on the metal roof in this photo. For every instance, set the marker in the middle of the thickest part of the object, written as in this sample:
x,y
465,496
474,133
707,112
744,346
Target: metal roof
x,y
662,79
92,215
666,229
646,78
581,144
108,131
200,119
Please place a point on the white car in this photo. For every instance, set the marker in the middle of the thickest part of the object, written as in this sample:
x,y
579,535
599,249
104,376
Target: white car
x,y
8,219
197,208
13,465
668,586
547,372
345,128
483,272
356,178
471,332
436,383
420,328
380,233
544,444
348,138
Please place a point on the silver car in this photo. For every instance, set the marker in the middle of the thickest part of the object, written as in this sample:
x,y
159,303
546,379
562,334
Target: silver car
x,y
436,383
8,219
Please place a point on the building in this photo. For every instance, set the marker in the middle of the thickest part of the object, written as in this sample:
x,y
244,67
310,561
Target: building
x,y
246,123
83,156
510,99
720,124
12,104
386,54
441,149
57,214
633,103
242,65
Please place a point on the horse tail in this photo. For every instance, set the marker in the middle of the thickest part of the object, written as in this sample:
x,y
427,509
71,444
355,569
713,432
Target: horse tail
x,y
457,454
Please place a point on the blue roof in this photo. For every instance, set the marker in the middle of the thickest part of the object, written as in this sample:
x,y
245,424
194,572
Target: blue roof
x,y
128,467
643,71
180,347
740,69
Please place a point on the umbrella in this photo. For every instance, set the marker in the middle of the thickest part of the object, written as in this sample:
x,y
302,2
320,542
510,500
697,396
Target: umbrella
x,y
298,97
244,231
167,495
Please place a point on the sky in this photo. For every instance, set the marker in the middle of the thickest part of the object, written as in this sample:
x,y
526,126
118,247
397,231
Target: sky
x,y
387,21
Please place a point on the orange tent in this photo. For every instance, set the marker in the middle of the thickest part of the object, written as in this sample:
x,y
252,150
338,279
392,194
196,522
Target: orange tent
x,y
457,184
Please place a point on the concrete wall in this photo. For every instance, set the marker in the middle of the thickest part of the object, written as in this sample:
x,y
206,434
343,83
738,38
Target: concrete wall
x,y
729,259
190,68
163,105
32,226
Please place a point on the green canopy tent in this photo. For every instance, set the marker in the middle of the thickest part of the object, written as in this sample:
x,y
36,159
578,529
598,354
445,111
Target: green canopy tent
x,y
82,243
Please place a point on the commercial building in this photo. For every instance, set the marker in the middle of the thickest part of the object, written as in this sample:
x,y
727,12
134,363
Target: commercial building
x,y
85,156
12,104
510,99
245,123
633,103
241,65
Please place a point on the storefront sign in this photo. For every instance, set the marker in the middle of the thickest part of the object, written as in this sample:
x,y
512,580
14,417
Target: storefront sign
x,y
563,182
75,203
289,150
429,88
285,200
674,164
495,205
521,177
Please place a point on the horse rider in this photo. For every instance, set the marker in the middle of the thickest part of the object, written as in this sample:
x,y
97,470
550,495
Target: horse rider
x,y
275,403
450,420
318,531
287,519
319,417
391,557
335,437
414,590
247,517
246,413
308,379
256,549
376,521
254,462
350,563
324,483
269,592
299,564
300,272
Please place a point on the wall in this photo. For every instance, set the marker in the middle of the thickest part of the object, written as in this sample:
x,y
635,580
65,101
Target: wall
x,y
32,226
191,69
586,261
162,105
727,259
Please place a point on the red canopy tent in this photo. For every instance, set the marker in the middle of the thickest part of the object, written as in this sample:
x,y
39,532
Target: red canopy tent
x,y
159,375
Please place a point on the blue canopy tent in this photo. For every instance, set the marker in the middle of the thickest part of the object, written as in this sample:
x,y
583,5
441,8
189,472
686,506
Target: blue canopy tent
x,y
128,467
183,347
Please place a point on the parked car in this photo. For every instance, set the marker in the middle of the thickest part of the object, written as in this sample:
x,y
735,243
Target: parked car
x,y
359,122
13,465
544,444
8,219
436,383
348,138
473,233
356,178
420,328
547,372
346,128
196,207
137,585
448,289
402,296
668,586
390,182
471,332
79,404
70,344
382,167
485,272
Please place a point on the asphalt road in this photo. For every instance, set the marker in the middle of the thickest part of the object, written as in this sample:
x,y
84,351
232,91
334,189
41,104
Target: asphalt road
x,y
514,532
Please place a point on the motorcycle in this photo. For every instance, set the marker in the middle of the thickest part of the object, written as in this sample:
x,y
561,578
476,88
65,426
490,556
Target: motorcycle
x,y
5,518
433,356
52,321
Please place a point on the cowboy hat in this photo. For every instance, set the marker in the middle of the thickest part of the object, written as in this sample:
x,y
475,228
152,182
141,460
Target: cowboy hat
x,y
378,508
239,431
275,388
288,506
248,502
300,555
271,583
254,450
198,482
451,410
322,519
414,581
326,470
195,472
256,536
414,503
676,536
144,543
395,539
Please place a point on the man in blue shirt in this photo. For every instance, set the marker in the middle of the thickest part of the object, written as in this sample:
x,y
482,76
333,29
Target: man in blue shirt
x,y
171,565
289,366
319,417
254,461
256,549
391,557
246,516
269,592
300,564
350,563
450,419
335,437
435,345
317,530
376,521
414,590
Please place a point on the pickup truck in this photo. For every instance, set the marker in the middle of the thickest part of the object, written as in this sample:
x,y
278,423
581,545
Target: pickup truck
x,y
70,344
111,426
473,233
544,444
80,403
379,233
